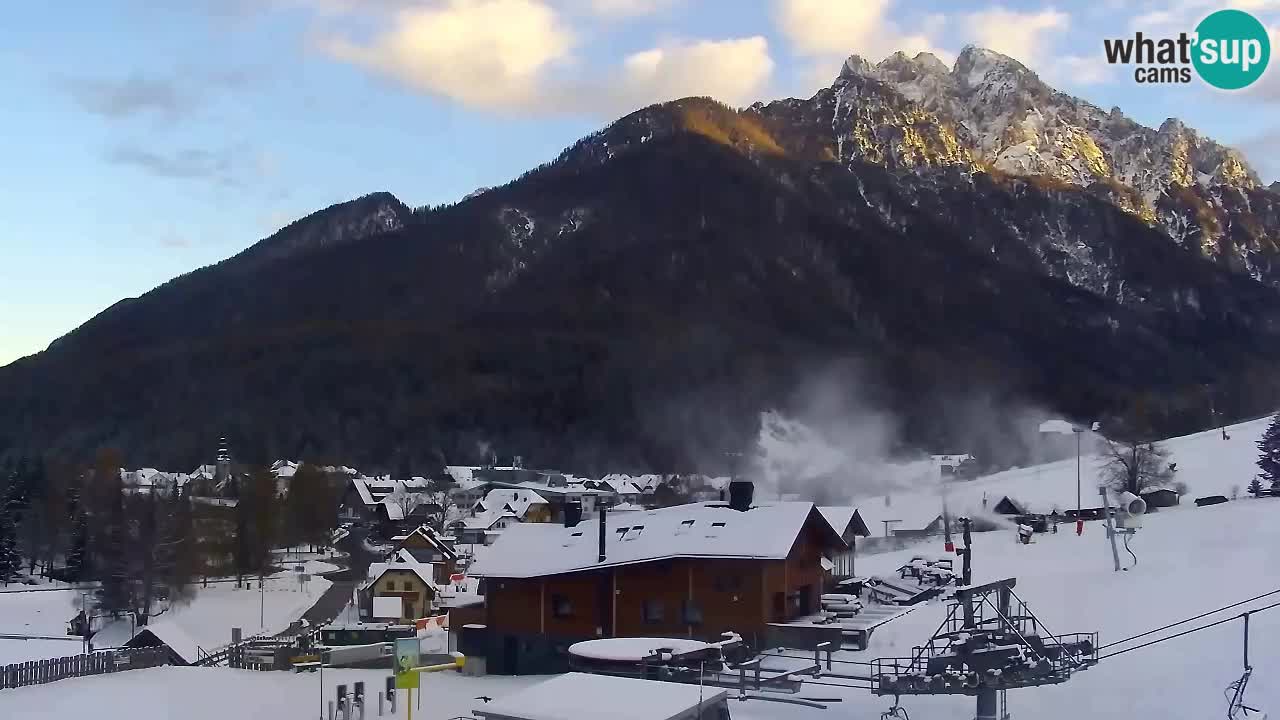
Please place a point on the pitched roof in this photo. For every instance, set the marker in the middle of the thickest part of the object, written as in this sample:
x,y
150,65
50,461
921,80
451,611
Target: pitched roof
x,y
402,561
708,530
517,499
172,636
840,518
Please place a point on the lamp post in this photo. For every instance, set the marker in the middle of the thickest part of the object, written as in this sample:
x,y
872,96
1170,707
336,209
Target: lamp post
x,y
1078,432
1062,427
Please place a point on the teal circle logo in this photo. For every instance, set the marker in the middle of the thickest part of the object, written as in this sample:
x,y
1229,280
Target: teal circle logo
x,y
1232,49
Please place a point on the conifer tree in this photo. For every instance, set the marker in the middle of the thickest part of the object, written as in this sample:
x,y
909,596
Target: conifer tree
x,y
1269,453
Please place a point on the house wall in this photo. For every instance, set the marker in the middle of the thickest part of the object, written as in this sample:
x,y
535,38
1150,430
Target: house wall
x,y
415,595
538,513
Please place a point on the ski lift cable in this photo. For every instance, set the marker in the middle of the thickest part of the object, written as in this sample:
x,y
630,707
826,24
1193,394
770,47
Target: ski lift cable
x,y
1192,630
1194,617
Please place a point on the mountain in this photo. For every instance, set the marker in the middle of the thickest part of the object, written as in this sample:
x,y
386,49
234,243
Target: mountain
x,y
988,112
635,304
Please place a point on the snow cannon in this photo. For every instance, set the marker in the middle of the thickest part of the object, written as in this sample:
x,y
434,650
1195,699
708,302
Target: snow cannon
x,y
1132,508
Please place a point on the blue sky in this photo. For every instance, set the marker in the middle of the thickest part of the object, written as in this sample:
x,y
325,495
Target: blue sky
x,y
142,143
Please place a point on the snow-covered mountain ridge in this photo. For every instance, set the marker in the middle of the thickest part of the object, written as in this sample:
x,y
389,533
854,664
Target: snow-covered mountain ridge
x,y
990,113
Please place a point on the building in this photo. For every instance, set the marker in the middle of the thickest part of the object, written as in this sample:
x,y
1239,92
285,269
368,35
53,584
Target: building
x,y
413,583
848,524
426,546
1160,497
1009,506
695,571
179,646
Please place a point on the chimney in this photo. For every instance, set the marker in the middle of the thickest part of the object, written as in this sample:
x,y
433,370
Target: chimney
x,y
604,530
572,514
740,494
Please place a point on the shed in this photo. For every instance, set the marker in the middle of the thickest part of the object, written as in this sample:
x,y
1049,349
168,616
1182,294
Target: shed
x,y
579,696
181,648
1159,497
1009,506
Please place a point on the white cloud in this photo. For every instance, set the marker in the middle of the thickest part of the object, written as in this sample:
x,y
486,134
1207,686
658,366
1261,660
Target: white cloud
x,y
626,8
516,56
482,53
1020,35
837,29
733,71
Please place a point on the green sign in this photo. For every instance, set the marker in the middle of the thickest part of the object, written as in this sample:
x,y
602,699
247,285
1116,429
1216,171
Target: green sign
x,y
406,660
1233,49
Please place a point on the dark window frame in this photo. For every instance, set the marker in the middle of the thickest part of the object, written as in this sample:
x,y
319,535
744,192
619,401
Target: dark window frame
x,y
652,612
561,607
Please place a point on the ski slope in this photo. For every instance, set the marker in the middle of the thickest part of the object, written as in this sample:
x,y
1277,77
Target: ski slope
x,y
1207,463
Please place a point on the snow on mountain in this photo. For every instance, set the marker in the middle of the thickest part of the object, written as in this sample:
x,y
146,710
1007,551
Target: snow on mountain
x,y
990,113
1022,126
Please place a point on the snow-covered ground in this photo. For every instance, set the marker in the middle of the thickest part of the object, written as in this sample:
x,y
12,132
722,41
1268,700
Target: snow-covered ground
x,y
1191,560
1207,463
207,620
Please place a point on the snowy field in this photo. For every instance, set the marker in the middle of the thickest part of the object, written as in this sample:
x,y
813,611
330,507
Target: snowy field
x,y
207,620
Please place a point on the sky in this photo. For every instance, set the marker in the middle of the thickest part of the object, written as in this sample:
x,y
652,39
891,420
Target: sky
x,y
144,140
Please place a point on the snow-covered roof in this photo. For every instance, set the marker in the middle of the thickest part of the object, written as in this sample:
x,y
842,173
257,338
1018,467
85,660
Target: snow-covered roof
x,y
626,507
486,519
174,637
698,530
517,500
839,517
361,486
633,649
403,561
580,696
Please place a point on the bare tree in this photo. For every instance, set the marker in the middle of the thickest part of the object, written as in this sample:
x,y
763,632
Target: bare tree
x,y
1132,465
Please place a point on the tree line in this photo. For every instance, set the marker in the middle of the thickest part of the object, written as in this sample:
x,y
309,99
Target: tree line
x,y
148,544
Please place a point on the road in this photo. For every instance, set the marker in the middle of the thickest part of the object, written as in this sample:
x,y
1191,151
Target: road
x,y
344,580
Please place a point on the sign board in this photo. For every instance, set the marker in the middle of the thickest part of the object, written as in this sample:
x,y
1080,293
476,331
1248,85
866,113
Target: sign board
x,y
299,569
387,607
406,660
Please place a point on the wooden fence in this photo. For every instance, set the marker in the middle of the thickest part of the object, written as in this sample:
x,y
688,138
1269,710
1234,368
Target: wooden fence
x,y
38,672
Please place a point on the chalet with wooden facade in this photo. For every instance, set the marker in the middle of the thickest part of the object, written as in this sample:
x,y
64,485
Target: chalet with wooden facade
x,y
690,571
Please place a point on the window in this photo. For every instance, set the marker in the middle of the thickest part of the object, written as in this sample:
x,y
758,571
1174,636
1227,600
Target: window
x,y
728,583
691,613
651,611
391,585
561,607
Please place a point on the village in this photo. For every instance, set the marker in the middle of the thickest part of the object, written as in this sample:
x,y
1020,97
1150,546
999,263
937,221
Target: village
x,y
691,596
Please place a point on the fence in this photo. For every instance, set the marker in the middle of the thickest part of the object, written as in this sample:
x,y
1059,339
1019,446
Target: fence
x,y
38,672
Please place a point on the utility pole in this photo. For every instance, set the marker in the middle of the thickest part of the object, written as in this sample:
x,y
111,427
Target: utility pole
x,y
262,603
